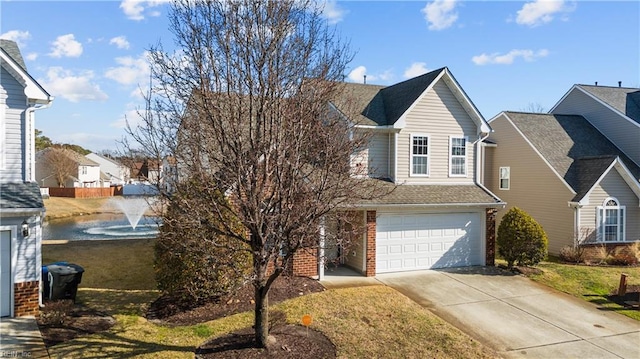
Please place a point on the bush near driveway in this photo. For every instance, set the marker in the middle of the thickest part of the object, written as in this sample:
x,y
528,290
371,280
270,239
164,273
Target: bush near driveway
x,y
521,240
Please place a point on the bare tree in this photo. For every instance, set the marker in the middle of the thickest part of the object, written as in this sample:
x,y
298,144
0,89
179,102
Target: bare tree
x,y
60,163
534,107
244,108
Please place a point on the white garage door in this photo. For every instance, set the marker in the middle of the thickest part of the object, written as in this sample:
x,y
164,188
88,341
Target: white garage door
x,y
412,241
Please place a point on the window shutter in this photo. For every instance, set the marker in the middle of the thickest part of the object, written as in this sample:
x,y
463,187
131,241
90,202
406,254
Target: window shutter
x,y
599,219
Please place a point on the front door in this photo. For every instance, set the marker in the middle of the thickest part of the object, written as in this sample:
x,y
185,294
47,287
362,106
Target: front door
x,y
5,273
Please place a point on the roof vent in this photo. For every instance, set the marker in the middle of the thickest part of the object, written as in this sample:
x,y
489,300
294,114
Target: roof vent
x,y
365,79
596,83
619,83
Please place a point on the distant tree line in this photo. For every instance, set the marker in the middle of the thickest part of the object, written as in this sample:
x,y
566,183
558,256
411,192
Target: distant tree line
x,y
43,142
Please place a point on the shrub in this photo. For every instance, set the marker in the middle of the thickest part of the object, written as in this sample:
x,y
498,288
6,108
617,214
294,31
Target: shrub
x,y
56,312
572,254
193,263
521,239
621,256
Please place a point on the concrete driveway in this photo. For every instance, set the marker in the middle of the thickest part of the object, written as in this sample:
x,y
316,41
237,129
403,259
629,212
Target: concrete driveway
x,y
518,317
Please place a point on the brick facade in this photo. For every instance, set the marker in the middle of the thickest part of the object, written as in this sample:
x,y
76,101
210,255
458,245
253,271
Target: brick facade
x,y
490,222
371,244
26,299
305,263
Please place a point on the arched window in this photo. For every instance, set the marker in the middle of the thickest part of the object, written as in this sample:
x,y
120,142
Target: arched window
x,y
611,221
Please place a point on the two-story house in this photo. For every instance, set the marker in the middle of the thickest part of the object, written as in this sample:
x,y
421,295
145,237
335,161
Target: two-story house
x,y
21,206
66,168
116,172
576,169
425,136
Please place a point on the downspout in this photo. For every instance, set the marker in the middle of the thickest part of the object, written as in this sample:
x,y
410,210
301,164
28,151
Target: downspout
x,y
478,144
30,141
321,250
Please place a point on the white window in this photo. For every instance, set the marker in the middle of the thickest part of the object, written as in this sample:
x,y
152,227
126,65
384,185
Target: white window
x,y
83,170
610,221
419,155
505,177
458,156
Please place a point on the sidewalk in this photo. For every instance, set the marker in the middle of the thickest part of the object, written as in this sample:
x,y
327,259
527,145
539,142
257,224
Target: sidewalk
x,y
21,338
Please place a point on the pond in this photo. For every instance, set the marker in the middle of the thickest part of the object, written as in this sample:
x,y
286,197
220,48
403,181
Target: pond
x,y
99,227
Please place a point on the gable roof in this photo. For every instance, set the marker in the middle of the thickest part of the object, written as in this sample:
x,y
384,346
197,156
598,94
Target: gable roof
x,y
75,156
13,62
576,150
625,100
384,106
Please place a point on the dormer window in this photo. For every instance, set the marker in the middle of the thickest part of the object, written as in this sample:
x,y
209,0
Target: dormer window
x,y
419,155
611,221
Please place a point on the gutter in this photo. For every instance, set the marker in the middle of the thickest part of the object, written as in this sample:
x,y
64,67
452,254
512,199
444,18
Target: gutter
x,y
429,205
29,172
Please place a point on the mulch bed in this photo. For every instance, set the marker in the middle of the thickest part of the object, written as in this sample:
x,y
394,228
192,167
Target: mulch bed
x,y
78,322
292,341
167,311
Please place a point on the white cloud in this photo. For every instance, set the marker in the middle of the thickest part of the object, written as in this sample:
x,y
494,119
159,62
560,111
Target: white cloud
x,y
541,12
357,75
135,9
66,46
18,36
131,71
333,12
132,116
120,42
73,87
416,69
509,58
31,56
440,14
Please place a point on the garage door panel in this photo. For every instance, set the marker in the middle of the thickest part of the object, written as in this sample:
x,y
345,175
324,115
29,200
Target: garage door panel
x,y
423,241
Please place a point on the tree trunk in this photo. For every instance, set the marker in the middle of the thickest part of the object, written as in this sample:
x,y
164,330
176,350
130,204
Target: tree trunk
x,y
261,321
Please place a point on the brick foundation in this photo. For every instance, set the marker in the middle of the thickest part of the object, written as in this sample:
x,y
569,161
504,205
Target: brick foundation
x,y
26,299
490,259
371,244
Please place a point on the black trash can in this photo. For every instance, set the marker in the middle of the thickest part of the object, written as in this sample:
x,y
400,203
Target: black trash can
x,y
64,280
46,289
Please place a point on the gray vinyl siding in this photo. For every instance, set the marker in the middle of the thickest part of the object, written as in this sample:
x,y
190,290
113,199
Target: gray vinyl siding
x,y
378,156
439,115
12,129
613,185
27,253
534,187
617,129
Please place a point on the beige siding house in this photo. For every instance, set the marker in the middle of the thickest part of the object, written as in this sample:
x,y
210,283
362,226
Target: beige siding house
x,y
424,143
567,174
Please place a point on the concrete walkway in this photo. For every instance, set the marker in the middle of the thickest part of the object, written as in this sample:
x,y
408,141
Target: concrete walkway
x,y
21,338
518,317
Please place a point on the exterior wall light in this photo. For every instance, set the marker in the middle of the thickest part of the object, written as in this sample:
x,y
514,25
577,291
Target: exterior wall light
x,y
25,228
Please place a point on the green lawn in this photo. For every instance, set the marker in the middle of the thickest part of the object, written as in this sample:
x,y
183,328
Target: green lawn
x,y
591,283
368,322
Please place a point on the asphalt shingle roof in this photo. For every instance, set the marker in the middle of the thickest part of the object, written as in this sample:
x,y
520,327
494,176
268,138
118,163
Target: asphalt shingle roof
x,y
431,195
20,195
11,48
572,146
382,106
623,99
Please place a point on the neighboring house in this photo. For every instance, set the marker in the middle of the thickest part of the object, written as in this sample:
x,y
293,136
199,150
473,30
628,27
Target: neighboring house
x,y
21,206
147,171
571,177
116,172
425,138
85,172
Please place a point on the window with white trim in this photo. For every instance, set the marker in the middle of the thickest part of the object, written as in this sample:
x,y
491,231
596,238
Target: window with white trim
x,y
419,155
457,156
505,177
83,170
610,221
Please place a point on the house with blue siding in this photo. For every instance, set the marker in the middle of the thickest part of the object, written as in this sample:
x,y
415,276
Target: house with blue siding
x,y
21,205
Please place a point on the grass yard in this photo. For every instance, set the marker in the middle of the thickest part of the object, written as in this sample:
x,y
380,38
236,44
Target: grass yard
x,y
591,283
60,207
375,322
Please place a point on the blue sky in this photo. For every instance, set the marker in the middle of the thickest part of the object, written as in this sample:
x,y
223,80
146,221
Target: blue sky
x,y
507,55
